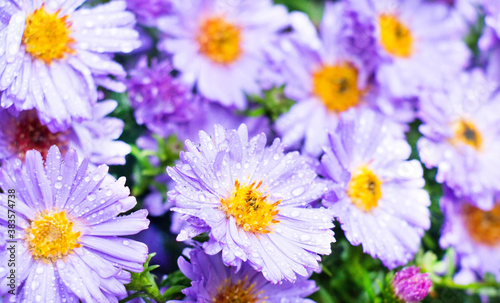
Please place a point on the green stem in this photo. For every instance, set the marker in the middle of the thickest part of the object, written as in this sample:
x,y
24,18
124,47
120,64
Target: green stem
x,y
449,283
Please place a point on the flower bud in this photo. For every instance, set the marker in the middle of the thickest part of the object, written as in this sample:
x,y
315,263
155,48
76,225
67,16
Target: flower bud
x,y
411,286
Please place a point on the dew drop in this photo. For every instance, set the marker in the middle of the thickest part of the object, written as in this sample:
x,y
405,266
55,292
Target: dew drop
x,y
305,238
298,191
58,185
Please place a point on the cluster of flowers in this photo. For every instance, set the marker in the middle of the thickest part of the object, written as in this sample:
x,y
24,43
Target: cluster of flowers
x,y
264,192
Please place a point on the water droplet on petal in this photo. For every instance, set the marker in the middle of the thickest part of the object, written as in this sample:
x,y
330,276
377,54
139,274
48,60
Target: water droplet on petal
x,y
298,191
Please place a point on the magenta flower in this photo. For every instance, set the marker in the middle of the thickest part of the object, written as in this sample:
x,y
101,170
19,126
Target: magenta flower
x,y
410,286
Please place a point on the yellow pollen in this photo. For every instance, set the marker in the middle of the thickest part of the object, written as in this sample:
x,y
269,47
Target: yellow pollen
x,y
51,236
395,37
47,36
240,292
219,40
250,208
364,189
466,132
483,226
337,86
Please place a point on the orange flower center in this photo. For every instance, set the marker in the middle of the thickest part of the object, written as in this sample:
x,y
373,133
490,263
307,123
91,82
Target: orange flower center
x,y
337,86
219,40
364,189
240,292
466,132
47,36
483,226
395,37
51,236
250,208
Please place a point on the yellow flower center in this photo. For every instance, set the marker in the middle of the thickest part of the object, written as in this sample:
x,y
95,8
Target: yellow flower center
x,y
466,132
219,40
483,226
337,86
239,292
250,208
364,189
395,37
47,36
51,236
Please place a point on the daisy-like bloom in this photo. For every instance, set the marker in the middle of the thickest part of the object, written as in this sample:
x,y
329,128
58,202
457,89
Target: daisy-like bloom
x,y
410,286
212,281
67,229
462,136
220,46
380,201
205,116
473,233
52,56
254,202
330,80
412,38
95,139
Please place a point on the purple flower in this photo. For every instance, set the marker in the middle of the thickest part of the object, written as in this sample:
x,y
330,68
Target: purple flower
x,y
461,136
212,281
254,201
161,102
95,139
379,200
473,233
148,11
412,38
331,77
410,286
220,46
54,56
67,230
205,116
167,106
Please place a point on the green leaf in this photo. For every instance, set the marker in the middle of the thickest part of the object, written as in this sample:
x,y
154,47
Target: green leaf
x,y
143,284
174,292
